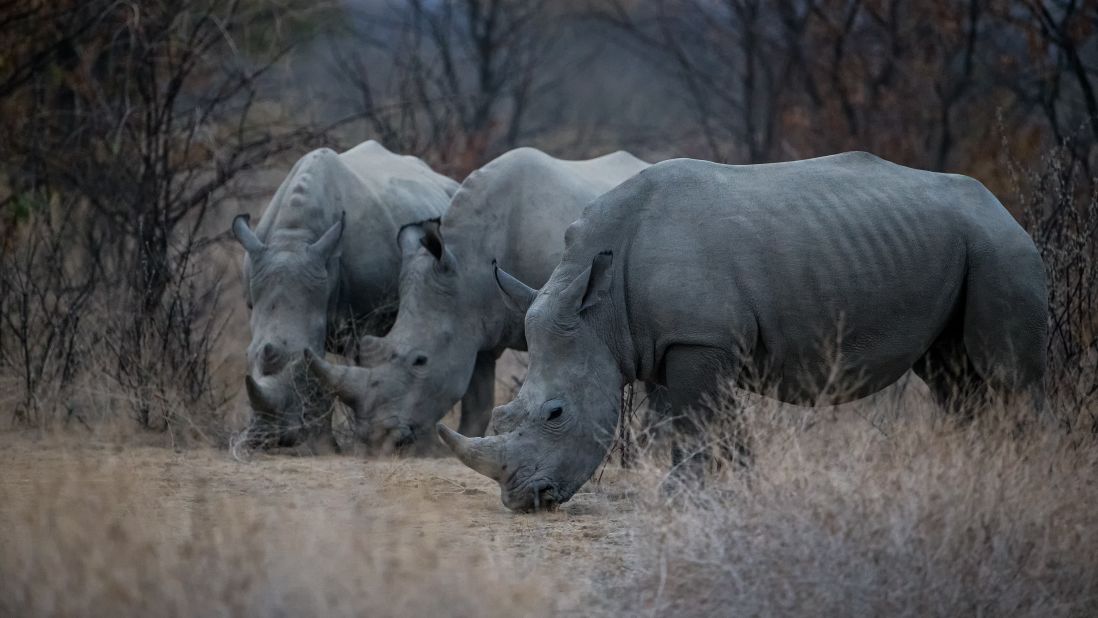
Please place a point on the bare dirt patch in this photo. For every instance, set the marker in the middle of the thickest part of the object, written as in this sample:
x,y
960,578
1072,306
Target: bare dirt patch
x,y
139,529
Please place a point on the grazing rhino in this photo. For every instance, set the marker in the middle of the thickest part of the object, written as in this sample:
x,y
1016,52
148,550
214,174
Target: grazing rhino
x,y
692,272
450,326
321,256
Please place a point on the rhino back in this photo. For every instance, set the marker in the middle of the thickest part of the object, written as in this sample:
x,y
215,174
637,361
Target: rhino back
x,y
379,191
516,208
794,262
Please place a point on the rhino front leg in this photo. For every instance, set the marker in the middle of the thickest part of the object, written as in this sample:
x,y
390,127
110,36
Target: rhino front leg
x,y
693,376
476,404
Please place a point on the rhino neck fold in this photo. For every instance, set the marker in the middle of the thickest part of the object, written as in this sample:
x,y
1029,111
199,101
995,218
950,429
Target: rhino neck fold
x,y
620,333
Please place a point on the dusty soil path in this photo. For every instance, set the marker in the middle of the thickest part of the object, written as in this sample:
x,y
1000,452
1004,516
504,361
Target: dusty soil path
x,y
399,504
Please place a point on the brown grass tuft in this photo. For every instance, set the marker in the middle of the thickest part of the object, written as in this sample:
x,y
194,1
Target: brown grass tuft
x,y
874,513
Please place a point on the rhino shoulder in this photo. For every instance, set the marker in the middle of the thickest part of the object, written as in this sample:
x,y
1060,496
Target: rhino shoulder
x,y
510,169
520,160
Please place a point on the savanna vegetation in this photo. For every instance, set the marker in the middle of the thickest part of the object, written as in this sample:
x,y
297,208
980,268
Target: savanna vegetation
x,y
132,132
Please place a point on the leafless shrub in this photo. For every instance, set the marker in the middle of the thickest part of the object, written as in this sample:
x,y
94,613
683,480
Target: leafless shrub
x,y
1059,208
131,121
42,314
452,80
912,82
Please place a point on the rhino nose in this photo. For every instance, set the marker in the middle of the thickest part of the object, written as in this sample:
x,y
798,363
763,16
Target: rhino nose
x,y
402,436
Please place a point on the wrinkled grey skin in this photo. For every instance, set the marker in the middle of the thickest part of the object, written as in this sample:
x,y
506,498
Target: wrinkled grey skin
x,y
774,276
451,327
321,255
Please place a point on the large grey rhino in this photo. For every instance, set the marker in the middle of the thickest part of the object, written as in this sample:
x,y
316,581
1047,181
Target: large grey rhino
x,y
324,253
451,327
788,277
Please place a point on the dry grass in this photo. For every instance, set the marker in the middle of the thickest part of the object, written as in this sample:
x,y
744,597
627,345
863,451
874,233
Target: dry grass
x,y
146,531
885,512
881,508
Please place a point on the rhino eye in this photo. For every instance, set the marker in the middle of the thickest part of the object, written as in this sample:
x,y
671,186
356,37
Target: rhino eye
x,y
552,409
420,361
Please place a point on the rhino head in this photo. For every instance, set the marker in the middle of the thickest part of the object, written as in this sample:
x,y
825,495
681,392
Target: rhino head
x,y
408,380
550,440
290,283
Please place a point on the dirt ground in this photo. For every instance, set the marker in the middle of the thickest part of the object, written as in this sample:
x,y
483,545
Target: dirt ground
x,y
582,548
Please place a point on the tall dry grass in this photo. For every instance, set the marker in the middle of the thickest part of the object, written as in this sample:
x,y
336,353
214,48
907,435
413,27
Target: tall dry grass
x,y
885,508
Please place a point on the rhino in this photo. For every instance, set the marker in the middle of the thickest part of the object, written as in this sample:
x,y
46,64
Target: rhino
x,y
450,326
785,278
321,258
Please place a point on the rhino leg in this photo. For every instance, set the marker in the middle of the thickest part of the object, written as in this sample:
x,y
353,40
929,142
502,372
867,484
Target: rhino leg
x,y
654,416
693,376
476,404
1005,323
952,378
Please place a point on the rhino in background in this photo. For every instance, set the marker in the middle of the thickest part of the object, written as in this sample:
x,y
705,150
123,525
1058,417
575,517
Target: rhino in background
x,y
450,326
321,256
691,272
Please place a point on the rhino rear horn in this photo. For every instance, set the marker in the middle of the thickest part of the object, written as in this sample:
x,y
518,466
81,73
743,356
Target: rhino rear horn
x,y
516,295
245,236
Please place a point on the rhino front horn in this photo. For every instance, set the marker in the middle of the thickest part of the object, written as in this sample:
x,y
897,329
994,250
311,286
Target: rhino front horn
x,y
339,378
481,454
260,400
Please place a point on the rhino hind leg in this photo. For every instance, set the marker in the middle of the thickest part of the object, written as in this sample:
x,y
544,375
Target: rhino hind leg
x,y
995,345
476,404
694,376
949,373
1005,327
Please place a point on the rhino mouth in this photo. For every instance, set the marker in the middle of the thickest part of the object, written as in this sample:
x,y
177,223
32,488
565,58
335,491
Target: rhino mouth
x,y
265,436
537,497
387,439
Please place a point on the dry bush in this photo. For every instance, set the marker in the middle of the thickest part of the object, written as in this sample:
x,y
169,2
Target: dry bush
x,y
90,535
126,127
74,352
1059,208
911,514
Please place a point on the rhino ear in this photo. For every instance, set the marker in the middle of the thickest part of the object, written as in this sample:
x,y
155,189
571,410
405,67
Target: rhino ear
x,y
426,234
432,239
327,246
591,286
245,236
516,295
